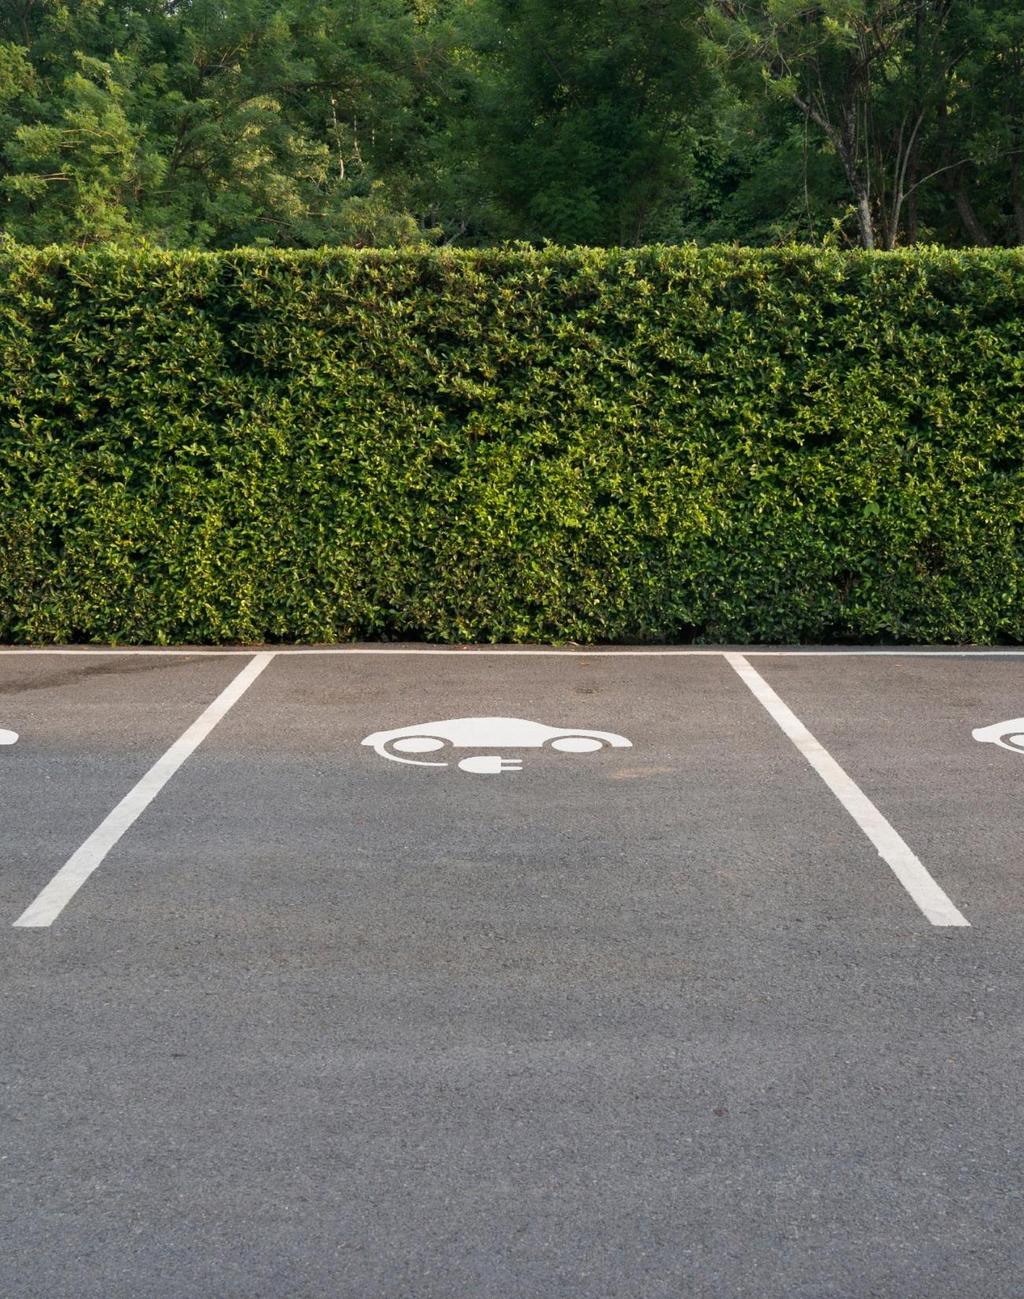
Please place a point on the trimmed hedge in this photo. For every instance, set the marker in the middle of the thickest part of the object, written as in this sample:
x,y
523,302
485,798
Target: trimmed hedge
x,y
663,444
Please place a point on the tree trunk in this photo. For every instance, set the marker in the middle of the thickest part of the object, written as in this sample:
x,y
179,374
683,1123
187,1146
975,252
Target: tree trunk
x,y
890,233
967,214
848,156
864,223
843,138
846,145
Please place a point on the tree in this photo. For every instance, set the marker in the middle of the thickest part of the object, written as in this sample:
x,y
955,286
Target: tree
x,y
981,146
297,123
867,74
213,123
583,104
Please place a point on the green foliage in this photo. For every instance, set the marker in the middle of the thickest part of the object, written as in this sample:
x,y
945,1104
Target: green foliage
x,y
582,122
212,124
402,123
918,103
511,445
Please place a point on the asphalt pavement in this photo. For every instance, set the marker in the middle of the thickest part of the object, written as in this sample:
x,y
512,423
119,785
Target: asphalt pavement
x,y
635,973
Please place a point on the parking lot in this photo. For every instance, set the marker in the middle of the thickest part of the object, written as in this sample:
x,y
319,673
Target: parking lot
x,y
646,972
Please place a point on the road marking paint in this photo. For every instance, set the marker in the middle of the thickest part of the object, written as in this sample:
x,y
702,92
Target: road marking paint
x,y
486,733
127,652
667,653
1008,735
892,848
457,650
81,864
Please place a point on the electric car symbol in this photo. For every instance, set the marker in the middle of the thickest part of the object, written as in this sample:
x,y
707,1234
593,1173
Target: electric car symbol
x,y
1008,735
487,733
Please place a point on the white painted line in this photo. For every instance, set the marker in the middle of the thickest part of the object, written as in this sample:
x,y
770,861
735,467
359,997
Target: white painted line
x,y
893,850
464,650
81,864
127,652
666,653
884,653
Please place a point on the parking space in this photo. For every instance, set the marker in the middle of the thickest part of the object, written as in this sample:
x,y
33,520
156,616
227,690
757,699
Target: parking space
x,y
902,727
285,811
87,726
585,976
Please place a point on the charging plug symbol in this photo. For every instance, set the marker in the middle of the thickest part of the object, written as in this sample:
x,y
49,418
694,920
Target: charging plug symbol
x,y
490,765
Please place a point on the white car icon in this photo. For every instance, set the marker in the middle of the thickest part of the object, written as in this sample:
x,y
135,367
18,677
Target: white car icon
x,y
487,733
1008,735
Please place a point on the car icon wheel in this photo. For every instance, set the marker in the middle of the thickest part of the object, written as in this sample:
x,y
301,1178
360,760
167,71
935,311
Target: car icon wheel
x,y
418,744
576,744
